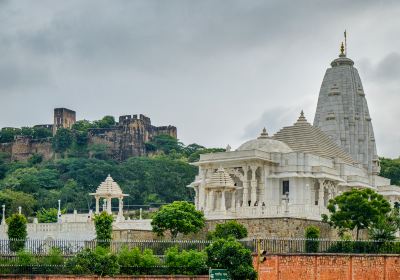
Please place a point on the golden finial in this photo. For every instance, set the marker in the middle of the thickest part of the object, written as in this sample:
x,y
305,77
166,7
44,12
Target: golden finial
x,y
342,49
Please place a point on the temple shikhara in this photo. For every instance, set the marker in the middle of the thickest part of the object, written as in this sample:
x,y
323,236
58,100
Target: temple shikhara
x,y
295,172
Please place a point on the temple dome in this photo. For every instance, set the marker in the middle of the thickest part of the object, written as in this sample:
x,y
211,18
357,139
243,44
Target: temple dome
x,y
222,179
265,144
109,187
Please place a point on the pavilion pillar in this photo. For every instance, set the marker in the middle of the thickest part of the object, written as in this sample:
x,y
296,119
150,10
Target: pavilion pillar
x,y
97,204
109,211
223,204
245,187
233,200
120,207
210,201
321,192
253,184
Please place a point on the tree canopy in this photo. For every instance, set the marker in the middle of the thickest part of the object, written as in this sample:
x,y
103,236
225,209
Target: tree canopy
x,y
390,168
178,217
356,209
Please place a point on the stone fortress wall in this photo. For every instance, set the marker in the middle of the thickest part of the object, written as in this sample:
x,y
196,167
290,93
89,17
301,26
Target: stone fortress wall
x,y
126,139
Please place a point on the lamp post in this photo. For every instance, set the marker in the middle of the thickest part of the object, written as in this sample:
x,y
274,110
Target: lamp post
x,y
20,210
3,220
59,212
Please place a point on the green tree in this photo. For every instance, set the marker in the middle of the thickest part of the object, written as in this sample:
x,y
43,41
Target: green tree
x,y
17,232
356,209
128,259
184,262
99,261
12,200
166,143
62,140
230,229
35,159
386,226
48,215
231,255
105,122
390,168
178,217
103,224
41,132
7,134
312,232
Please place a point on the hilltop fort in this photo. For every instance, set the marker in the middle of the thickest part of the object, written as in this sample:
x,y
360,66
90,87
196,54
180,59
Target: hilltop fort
x,y
125,139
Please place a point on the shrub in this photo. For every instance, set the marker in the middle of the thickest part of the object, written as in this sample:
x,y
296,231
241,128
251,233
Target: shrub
x,y
231,228
231,255
25,258
99,261
131,261
55,257
312,232
189,262
103,223
17,232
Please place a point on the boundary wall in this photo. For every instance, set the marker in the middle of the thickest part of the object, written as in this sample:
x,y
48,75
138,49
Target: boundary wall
x,y
328,267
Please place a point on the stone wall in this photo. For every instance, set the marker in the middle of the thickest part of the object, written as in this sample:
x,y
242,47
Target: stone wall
x,y
321,267
257,228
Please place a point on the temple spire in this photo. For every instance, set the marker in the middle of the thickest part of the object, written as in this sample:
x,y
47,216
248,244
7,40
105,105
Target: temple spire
x,y
342,53
302,118
263,134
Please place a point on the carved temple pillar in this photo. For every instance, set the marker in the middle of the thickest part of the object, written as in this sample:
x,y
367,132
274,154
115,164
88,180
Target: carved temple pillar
x,y
97,204
253,184
245,187
233,200
109,211
210,204
120,206
321,192
223,204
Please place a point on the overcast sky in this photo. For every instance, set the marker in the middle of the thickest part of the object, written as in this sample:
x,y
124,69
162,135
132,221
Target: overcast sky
x,y
218,70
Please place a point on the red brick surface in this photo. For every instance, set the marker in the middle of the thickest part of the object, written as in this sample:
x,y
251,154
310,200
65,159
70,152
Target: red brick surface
x,y
329,267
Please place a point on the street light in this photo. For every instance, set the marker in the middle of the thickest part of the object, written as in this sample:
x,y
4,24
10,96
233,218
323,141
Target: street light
x,y
59,212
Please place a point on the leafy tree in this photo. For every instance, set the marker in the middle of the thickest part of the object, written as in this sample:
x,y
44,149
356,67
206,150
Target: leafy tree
x,y
4,164
48,215
105,122
177,217
103,223
196,155
62,140
190,262
7,134
99,261
356,209
12,200
35,159
390,168
231,255
41,132
83,125
17,232
166,143
230,229
386,226
312,232
129,258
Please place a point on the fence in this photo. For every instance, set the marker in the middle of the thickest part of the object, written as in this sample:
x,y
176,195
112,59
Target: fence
x,y
301,245
71,247
271,245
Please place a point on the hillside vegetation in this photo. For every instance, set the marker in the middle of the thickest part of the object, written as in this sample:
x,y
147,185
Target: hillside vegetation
x,y
161,177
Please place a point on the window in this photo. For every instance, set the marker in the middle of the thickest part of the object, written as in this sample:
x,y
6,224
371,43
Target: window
x,y
285,187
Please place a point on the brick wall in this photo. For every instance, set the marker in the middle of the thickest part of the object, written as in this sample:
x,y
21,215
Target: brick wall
x,y
324,267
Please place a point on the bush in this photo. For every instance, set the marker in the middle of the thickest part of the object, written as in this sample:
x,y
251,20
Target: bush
x,y
103,223
131,261
231,255
190,262
17,232
99,261
312,246
25,258
55,257
231,228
